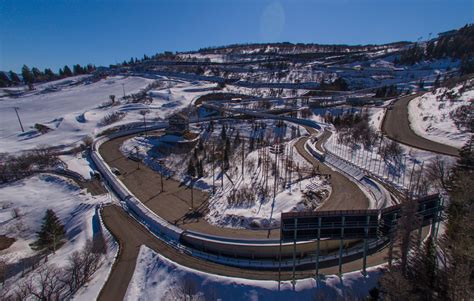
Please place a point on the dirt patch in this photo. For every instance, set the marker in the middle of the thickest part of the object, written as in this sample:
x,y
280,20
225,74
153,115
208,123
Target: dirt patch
x,y
6,242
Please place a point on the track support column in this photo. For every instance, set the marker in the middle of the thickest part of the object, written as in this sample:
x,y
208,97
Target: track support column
x,y
294,253
317,248
279,258
364,260
341,243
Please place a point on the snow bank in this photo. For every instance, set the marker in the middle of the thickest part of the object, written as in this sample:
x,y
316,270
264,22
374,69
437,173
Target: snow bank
x,y
431,115
157,278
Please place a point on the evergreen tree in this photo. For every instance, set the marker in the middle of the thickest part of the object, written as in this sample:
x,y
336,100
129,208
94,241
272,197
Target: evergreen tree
x,y
67,71
200,145
237,139
223,133
52,232
49,74
191,169
4,80
90,68
15,79
77,69
27,75
38,75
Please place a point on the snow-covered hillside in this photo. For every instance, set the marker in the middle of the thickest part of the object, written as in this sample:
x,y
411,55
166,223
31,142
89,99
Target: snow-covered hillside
x,y
443,115
74,111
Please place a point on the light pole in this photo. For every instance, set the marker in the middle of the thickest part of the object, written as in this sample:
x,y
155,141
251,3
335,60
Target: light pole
x,y
19,120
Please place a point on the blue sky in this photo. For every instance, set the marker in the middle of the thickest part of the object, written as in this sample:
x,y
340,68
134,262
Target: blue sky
x,y
55,33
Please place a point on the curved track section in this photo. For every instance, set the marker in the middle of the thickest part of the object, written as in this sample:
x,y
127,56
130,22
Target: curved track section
x,y
225,250
396,126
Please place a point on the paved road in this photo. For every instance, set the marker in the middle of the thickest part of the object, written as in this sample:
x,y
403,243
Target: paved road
x,y
396,126
131,235
345,195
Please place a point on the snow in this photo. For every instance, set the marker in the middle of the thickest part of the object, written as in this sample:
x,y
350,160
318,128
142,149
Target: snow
x,y
31,197
79,164
76,110
255,211
265,212
72,112
75,208
157,278
430,115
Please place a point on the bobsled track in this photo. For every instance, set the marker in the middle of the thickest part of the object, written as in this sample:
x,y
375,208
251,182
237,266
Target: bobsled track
x,y
323,240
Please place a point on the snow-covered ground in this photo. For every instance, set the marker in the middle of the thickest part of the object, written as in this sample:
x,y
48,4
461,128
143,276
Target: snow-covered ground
x,y
431,115
75,110
254,208
72,112
263,210
157,278
78,163
22,208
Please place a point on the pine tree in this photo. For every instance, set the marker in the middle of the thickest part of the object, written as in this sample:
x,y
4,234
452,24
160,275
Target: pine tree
x,y
200,145
4,80
237,139
49,74
27,75
38,75
90,68
76,69
191,169
67,71
14,78
223,133
52,232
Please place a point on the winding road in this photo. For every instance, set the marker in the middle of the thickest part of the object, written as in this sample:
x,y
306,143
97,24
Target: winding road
x,y
396,126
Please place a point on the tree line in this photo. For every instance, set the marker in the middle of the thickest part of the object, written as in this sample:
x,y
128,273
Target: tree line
x,y
457,46
35,75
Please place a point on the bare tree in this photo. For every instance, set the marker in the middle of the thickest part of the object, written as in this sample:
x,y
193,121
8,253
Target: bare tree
x,y
81,266
45,283
394,286
437,172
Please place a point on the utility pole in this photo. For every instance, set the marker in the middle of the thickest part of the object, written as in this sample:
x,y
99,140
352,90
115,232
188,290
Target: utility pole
x,y
19,120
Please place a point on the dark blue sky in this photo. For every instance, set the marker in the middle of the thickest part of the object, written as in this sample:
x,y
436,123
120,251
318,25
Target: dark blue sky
x,y
54,33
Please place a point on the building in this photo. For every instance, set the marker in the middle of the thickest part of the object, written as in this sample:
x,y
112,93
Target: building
x,y
178,124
